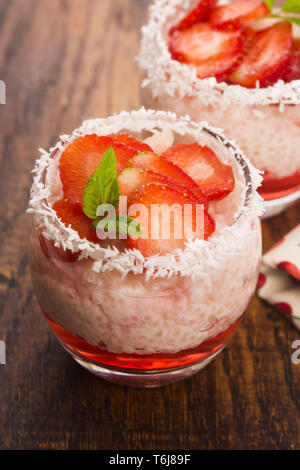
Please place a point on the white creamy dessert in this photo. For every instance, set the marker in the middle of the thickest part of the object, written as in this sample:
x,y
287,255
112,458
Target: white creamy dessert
x,y
125,303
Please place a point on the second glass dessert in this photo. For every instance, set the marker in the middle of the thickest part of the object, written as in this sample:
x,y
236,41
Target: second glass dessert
x,y
264,119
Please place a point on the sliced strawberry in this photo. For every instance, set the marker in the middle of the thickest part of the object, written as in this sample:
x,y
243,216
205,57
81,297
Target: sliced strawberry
x,y
80,159
197,14
267,58
236,14
214,178
130,141
71,215
154,239
132,179
214,53
292,70
249,35
159,164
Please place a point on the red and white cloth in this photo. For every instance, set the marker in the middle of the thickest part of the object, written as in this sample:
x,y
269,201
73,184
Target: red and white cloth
x,y
279,278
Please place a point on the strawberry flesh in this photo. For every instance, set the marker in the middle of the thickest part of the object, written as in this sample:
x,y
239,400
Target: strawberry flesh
x,y
159,164
214,178
236,14
200,12
130,141
149,244
214,53
292,70
81,158
71,215
267,58
132,179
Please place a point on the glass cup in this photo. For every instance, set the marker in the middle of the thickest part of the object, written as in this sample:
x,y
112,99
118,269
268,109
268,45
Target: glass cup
x,y
265,122
142,321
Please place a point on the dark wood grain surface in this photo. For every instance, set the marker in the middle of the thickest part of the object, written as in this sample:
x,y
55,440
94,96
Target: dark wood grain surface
x,y
64,61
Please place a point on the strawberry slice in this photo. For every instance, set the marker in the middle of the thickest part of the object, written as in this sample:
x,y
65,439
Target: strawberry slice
x,y
159,164
236,14
214,178
130,141
267,58
132,179
155,238
292,70
71,215
194,16
80,159
214,53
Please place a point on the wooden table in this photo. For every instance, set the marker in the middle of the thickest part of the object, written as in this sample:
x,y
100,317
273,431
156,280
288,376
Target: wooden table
x,y
64,61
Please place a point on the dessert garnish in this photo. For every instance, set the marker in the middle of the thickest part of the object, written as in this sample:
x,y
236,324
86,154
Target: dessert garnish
x,y
103,190
222,42
96,171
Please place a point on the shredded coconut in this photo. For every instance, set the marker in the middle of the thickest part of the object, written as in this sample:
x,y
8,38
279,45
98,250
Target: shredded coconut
x,y
199,255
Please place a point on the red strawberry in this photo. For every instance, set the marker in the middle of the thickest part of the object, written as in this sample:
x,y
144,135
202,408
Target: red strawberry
x,y
132,179
80,159
236,14
130,141
267,58
292,70
197,14
214,178
159,164
214,53
153,239
71,215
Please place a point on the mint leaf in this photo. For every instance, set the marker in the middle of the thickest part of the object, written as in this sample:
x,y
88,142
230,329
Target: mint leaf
x,y
291,6
103,186
270,4
103,190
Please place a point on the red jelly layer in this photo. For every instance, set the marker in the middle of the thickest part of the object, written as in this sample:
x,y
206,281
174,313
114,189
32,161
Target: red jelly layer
x,y
273,188
142,362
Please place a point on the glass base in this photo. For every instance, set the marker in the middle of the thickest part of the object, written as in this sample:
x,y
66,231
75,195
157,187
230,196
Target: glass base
x,y
145,379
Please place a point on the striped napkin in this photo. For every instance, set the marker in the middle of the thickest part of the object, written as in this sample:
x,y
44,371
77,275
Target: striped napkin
x,y
279,278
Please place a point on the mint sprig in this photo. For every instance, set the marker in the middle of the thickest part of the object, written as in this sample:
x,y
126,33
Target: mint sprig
x,y
289,6
103,188
269,3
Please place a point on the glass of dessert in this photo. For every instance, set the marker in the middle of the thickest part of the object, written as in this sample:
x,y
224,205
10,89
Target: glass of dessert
x,y
136,306
237,65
